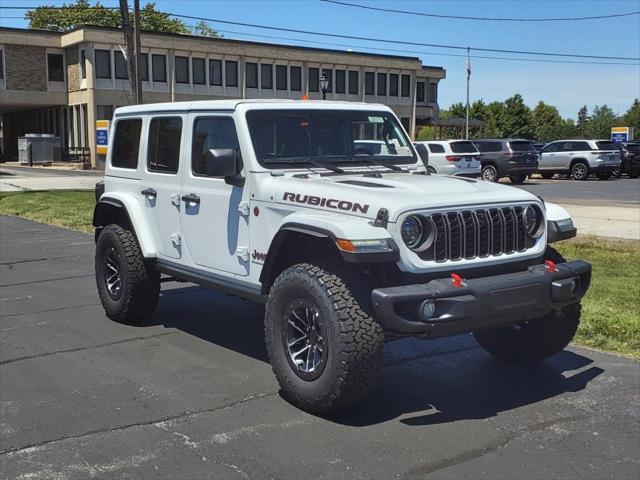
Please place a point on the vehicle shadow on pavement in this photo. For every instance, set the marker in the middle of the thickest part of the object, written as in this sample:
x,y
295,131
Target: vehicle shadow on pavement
x,y
465,385
422,382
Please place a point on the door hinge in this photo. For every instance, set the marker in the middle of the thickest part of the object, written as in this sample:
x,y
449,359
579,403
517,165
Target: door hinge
x,y
243,253
243,208
175,199
176,239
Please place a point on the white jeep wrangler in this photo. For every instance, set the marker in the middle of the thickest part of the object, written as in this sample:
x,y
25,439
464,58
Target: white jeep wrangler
x,y
285,203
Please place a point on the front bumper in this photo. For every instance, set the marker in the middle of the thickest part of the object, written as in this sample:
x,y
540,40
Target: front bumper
x,y
481,303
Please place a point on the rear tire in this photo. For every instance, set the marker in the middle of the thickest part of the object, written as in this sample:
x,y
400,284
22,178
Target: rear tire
x,y
128,286
351,340
580,171
547,175
517,179
490,173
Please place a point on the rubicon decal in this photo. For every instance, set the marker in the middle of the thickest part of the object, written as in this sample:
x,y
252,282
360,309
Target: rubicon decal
x,y
326,202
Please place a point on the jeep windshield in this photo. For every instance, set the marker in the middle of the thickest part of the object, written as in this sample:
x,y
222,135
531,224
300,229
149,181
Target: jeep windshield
x,y
326,138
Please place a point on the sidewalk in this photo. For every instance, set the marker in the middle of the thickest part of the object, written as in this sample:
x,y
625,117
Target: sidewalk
x,y
606,221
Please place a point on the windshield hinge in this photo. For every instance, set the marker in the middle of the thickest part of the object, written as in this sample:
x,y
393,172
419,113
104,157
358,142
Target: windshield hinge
x,y
243,208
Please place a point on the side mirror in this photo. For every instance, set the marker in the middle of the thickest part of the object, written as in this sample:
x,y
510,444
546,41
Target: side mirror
x,y
423,152
222,162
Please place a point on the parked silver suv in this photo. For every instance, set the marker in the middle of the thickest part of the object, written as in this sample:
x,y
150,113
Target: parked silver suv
x,y
580,158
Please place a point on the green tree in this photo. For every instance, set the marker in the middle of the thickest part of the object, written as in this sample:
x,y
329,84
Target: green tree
x,y
516,118
426,133
203,29
600,123
81,12
493,123
547,122
632,118
583,119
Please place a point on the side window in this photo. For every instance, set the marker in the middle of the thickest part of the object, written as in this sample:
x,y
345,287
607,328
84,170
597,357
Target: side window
x,y
163,154
208,133
126,143
435,148
550,148
568,146
581,146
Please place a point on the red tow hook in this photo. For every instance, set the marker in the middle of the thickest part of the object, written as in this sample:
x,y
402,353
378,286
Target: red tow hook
x,y
457,280
551,266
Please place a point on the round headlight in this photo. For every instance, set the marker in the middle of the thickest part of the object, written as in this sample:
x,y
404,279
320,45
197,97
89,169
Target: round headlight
x,y
532,217
411,231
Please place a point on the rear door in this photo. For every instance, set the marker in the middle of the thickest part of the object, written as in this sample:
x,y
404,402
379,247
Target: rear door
x,y
161,181
215,216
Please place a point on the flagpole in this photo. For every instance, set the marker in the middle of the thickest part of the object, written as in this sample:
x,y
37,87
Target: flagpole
x,y
466,122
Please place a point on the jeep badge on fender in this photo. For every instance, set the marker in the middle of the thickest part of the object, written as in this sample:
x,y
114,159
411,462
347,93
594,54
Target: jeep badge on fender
x,y
351,240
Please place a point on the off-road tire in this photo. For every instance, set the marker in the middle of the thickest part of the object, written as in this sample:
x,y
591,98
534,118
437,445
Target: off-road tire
x,y
537,339
354,339
580,171
517,179
490,173
547,175
140,281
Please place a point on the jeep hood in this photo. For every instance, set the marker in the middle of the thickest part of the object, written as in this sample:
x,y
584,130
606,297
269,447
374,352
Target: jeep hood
x,y
397,192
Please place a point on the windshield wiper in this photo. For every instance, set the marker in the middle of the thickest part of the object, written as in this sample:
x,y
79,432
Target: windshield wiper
x,y
390,166
293,160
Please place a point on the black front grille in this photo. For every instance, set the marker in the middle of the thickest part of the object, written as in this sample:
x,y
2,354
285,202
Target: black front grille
x,y
470,234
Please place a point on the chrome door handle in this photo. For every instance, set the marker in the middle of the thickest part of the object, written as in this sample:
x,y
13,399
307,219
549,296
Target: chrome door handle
x,y
191,198
149,192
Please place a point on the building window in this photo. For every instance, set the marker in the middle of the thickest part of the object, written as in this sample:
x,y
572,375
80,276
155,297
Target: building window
x,y
231,73
369,83
252,75
406,85
83,63
215,72
433,92
328,74
314,79
266,76
420,92
126,144
393,85
382,84
55,67
143,62
163,154
103,64
199,74
208,133
182,69
120,65
104,112
353,83
281,77
341,78
296,78
159,68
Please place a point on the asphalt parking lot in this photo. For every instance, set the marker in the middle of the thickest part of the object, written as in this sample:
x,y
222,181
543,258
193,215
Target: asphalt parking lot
x,y
190,394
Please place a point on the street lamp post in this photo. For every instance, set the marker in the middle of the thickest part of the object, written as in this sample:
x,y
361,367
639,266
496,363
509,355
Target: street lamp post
x,y
324,85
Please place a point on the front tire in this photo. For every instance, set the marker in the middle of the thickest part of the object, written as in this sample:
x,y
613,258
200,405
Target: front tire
x,y
490,173
517,179
128,286
325,349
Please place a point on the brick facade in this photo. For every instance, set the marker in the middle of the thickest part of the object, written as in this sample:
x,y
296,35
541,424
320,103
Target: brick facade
x,y
74,73
26,67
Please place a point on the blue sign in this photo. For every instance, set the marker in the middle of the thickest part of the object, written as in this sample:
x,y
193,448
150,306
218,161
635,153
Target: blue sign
x,y
619,137
102,137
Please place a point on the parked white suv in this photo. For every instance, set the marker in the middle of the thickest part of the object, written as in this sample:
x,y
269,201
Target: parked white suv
x,y
453,157
580,158
276,202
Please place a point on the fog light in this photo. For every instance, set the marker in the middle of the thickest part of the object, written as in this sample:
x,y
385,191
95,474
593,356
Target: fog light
x,y
427,309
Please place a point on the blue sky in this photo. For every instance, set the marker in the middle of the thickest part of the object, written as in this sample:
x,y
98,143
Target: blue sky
x,y
566,85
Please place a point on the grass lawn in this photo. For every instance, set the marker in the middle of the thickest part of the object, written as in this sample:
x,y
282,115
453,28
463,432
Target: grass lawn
x,y
611,309
65,208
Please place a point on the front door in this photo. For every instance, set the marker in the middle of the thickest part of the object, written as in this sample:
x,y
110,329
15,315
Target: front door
x,y
215,215
161,182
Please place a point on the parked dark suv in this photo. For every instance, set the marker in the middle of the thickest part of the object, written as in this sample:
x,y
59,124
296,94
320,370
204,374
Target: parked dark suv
x,y
511,157
630,156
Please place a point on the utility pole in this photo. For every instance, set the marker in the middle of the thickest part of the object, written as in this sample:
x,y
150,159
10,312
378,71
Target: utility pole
x,y
137,53
129,42
466,122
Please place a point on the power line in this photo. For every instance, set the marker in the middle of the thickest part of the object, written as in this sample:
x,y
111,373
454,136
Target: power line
x,y
485,19
315,42
368,39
